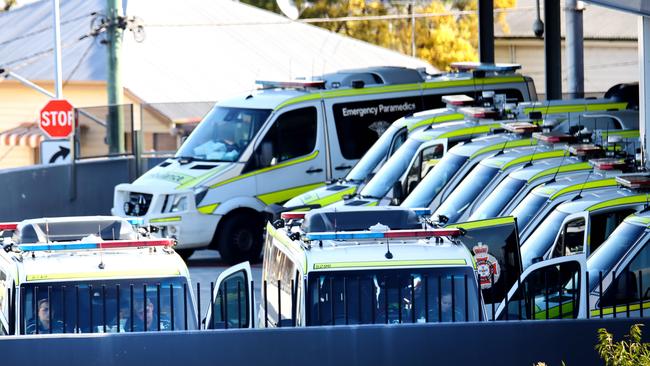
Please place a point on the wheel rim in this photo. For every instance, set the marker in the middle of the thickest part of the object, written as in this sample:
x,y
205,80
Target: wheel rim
x,y
244,240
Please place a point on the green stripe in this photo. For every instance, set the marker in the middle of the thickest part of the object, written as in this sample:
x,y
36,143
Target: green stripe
x,y
326,201
506,145
469,131
390,263
287,194
640,198
534,157
165,219
619,309
621,133
264,170
436,119
609,182
208,209
399,88
554,312
561,169
643,220
577,108
469,225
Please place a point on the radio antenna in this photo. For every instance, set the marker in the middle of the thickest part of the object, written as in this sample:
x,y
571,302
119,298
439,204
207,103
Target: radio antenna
x,y
101,252
558,168
530,162
47,231
582,187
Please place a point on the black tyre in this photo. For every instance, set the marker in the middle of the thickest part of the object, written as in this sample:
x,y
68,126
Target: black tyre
x,y
240,238
185,253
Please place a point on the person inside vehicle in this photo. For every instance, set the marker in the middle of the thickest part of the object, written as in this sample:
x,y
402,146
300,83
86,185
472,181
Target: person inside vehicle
x,y
42,323
145,315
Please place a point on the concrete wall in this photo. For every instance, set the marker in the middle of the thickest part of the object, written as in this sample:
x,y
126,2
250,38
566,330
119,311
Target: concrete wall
x,y
500,343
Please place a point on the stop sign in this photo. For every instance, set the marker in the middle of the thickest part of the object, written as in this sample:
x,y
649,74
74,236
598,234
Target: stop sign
x,y
57,118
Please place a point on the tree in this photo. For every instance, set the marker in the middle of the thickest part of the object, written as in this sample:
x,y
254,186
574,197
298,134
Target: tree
x,y
450,34
7,5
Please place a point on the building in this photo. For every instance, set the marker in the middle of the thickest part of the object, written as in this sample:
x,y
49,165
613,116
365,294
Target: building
x,y
193,53
610,46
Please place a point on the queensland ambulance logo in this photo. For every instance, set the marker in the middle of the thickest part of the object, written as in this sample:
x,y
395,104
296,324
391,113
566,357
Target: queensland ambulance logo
x,y
486,265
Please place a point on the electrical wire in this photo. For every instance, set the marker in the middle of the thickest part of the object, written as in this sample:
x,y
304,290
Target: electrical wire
x,y
39,31
78,64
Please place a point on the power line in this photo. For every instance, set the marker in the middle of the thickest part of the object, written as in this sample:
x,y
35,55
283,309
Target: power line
x,y
39,31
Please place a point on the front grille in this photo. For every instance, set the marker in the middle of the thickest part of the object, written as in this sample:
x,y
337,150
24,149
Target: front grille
x,y
138,204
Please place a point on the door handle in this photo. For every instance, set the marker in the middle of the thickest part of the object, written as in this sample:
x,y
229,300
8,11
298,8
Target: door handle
x,y
343,167
314,170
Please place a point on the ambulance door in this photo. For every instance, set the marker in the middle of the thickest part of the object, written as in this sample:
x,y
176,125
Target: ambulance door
x,y
232,302
495,246
628,295
290,159
354,123
552,289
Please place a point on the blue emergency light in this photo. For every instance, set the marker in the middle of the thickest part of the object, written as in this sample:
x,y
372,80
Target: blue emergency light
x,y
110,244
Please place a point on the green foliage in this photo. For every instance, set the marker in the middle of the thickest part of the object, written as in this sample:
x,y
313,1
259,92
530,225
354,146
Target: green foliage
x,y
7,5
629,351
440,40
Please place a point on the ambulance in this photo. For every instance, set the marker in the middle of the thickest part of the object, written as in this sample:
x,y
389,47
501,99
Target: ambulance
x,y
95,274
359,265
288,138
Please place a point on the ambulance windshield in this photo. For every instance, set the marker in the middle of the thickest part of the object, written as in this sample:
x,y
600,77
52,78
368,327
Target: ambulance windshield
x,y
498,199
392,296
223,134
108,306
528,208
375,154
435,180
394,168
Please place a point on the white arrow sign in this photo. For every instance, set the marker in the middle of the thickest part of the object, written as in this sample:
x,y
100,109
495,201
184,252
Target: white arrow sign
x,y
55,152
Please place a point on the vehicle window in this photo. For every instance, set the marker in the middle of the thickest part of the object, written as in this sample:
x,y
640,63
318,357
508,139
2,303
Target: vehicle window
x,y
223,134
382,149
391,296
548,293
541,239
528,208
600,123
425,161
571,238
359,124
279,270
107,306
498,198
292,135
230,308
398,141
4,292
632,283
432,183
393,170
602,225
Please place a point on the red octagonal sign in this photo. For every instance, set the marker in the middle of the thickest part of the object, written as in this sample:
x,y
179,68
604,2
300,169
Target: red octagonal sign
x,y
57,118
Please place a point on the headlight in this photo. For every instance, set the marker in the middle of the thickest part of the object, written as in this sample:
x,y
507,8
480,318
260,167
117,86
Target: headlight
x,y
199,194
175,203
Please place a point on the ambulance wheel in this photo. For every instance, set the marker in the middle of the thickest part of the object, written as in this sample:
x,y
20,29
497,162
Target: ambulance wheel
x,y
185,253
240,238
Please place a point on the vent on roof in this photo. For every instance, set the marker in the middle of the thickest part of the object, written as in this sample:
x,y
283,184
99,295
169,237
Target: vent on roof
x,y
203,167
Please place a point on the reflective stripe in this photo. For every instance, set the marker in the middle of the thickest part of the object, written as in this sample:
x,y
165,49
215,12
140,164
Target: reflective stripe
x,y
534,157
264,170
609,182
287,194
325,201
208,209
166,219
483,223
390,263
504,145
436,119
562,169
576,108
621,133
619,309
401,88
641,198
643,220
372,203
469,131
102,274
554,311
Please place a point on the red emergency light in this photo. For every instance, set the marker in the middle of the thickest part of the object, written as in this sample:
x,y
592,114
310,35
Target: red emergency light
x,y
11,226
641,181
457,100
585,150
479,112
293,215
110,244
521,127
554,138
422,233
608,164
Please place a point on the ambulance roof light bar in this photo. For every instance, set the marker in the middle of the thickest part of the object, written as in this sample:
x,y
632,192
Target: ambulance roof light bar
x,y
110,244
468,66
479,112
292,84
458,100
8,226
553,138
390,234
608,164
585,150
300,215
641,181
522,128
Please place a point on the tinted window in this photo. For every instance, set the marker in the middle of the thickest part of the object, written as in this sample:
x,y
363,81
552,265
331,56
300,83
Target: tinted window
x,y
457,202
498,198
541,240
433,182
359,124
230,308
528,208
292,135
602,225
280,271
632,284
425,161
571,238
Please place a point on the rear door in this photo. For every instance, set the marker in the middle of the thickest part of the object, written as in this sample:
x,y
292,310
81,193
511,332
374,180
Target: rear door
x,y
232,302
552,289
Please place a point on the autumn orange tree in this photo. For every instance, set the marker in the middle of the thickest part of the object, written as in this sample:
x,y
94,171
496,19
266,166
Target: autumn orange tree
x,y
447,34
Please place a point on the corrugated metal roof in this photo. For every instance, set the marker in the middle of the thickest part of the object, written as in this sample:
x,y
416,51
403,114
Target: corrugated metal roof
x,y
599,22
194,50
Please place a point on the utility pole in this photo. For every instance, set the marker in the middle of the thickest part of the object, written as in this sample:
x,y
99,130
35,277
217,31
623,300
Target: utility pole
x,y
552,45
115,130
58,89
575,48
486,31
